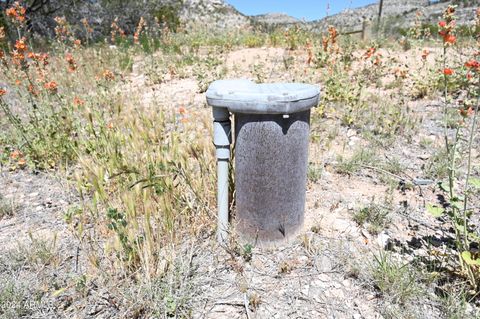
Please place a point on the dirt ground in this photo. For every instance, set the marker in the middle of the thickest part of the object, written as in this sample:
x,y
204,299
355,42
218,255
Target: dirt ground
x,y
324,273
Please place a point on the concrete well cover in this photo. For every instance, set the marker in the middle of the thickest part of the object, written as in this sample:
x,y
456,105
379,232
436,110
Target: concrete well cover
x,y
245,96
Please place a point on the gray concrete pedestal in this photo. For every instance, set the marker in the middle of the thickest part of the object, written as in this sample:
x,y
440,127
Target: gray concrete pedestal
x,y
272,125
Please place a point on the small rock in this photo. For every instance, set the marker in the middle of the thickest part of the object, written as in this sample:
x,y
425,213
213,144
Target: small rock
x,y
357,316
306,290
424,156
382,239
324,277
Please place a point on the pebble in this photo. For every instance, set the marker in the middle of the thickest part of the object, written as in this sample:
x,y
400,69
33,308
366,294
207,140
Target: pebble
x,y
382,239
306,290
324,277
424,156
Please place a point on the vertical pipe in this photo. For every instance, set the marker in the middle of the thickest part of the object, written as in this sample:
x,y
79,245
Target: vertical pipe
x,y
222,140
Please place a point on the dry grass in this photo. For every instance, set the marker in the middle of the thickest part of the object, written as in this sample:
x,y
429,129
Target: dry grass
x,y
143,164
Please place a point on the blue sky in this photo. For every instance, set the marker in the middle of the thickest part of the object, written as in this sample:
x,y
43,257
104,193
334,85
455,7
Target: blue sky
x,y
308,9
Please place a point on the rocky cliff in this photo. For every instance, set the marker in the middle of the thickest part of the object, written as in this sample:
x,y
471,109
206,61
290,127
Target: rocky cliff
x,y
212,14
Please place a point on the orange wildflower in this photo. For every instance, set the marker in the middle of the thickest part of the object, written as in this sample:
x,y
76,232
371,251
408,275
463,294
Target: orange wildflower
x,y
138,31
3,92
325,43
115,29
368,54
108,75
72,65
449,38
16,12
182,110
22,162
16,154
32,90
333,34
44,59
11,12
51,87
448,71
447,26
425,54
466,112
78,101
400,73
450,10
20,45
472,64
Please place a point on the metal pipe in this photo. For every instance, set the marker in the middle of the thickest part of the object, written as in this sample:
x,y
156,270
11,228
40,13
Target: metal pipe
x,y
222,141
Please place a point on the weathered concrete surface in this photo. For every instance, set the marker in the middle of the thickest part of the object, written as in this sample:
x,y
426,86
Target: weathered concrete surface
x,y
271,157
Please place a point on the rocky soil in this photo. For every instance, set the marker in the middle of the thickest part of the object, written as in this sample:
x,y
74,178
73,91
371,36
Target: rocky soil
x,y
328,271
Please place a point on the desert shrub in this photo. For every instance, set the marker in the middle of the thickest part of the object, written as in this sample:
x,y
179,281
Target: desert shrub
x,y
168,16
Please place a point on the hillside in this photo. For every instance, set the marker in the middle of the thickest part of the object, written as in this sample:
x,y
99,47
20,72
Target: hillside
x,y
212,13
219,15
274,18
209,14
397,13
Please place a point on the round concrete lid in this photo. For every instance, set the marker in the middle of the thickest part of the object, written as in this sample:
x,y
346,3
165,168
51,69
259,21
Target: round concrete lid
x,y
244,96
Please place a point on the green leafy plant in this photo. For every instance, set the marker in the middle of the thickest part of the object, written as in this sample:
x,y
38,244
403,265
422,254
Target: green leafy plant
x,y
457,207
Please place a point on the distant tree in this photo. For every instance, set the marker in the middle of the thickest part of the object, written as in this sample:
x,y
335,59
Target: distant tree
x,y
37,11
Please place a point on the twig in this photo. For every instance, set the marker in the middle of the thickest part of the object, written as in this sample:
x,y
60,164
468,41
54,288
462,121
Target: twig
x,y
394,175
247,311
